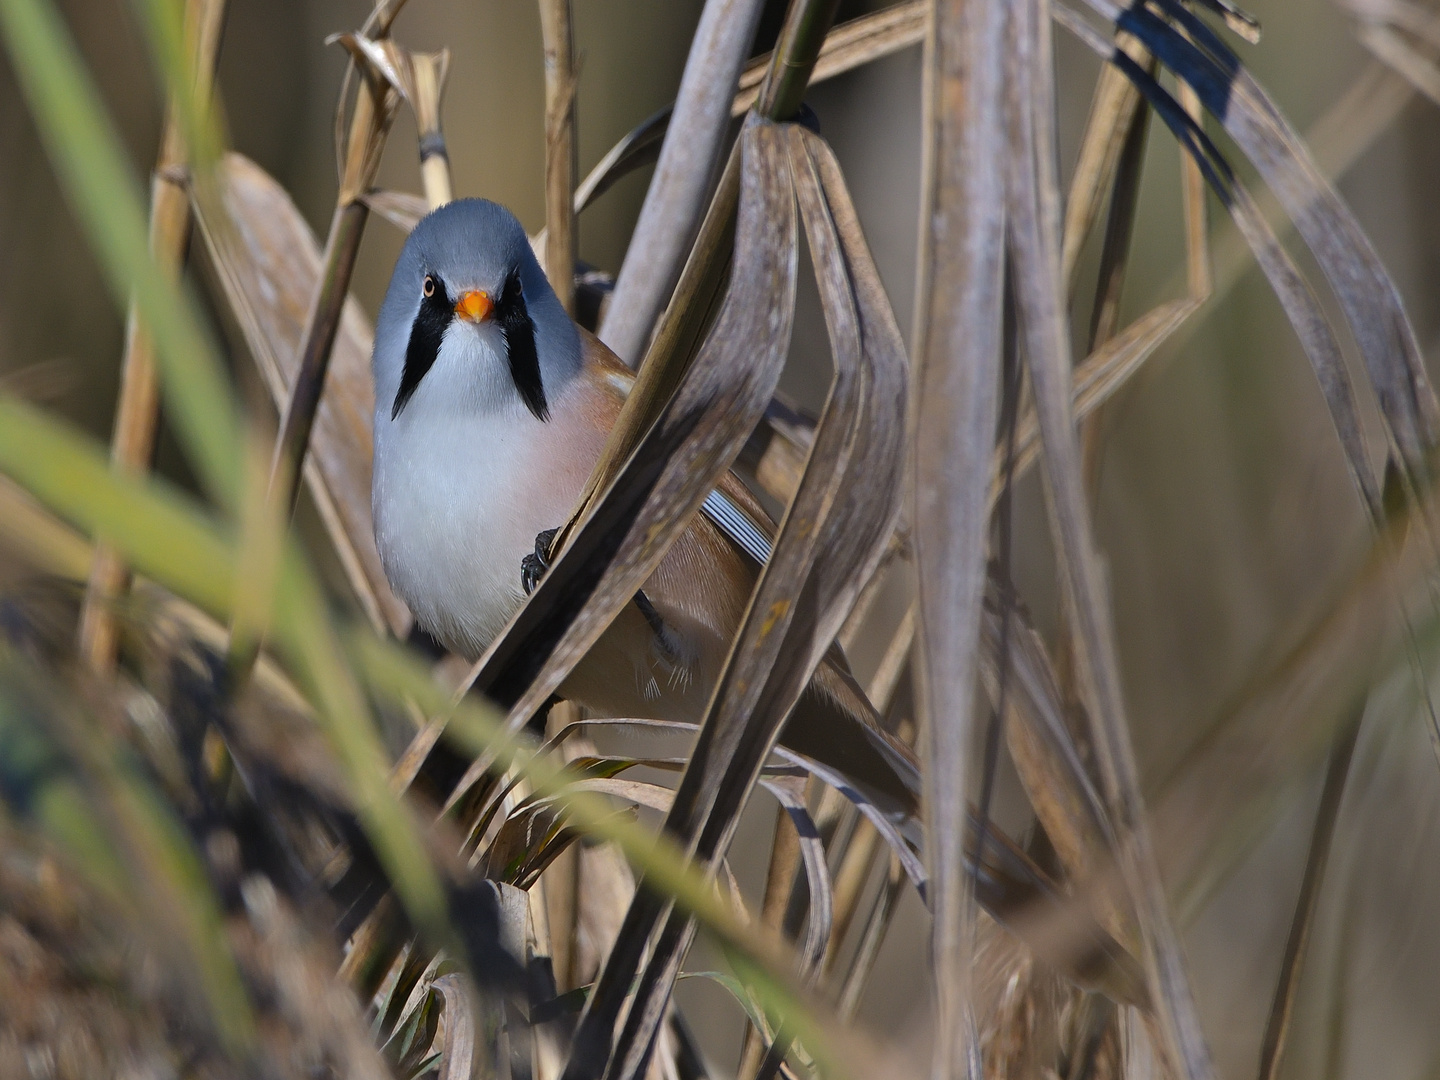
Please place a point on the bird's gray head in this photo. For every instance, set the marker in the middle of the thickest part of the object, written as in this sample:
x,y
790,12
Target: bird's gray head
x,y
469,321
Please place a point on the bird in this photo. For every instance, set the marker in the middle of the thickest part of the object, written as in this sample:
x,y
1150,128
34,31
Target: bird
x,y
491,408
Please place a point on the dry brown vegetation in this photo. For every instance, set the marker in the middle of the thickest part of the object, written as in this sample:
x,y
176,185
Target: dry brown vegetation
x,y
249,826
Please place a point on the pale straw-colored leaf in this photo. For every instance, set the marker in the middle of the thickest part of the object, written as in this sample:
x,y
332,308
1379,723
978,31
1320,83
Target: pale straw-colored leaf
x,y
267,263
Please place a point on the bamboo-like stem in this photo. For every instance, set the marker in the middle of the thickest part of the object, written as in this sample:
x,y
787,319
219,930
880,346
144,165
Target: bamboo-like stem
x,y
427,88
375,106
1199,275
1282,1009
561,161
679,334
137,412
1112,110
796,51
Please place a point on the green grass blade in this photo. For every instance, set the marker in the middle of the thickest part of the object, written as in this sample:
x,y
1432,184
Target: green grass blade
x,y
170,540
100,184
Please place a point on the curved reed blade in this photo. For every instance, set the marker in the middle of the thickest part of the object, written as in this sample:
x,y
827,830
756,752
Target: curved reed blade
x,y
1301,306
680,188
1035,228
833,535
1008,884
463,1054
791,794
399,208
267,263
1367,295
735,374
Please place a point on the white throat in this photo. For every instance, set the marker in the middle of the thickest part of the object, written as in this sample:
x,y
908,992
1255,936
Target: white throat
x,y
465,477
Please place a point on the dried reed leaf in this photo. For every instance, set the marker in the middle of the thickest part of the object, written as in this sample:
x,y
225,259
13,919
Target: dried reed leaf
x,y
1051,767
679,333
790,792
957,346
1301,306
1034,230
462,1051
268,281
832,537
680,188
399,208
1367,295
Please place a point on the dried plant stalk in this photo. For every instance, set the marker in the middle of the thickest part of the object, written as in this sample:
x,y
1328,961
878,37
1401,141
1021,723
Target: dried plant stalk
x,y
561,160
1199,274
677,337
137,412
562,878
957,346
679,190
850,45
1112,109
374,110
428,72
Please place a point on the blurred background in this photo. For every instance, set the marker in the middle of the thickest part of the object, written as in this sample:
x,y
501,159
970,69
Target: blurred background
x,y
1225,510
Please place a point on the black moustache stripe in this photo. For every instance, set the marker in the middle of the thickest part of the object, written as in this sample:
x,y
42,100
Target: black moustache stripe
x,y
519,330
428,331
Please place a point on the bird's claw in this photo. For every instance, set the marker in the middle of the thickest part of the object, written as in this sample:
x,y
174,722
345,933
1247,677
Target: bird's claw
x,y
534,565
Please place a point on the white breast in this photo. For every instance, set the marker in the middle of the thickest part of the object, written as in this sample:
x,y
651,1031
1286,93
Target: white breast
x,y
460,493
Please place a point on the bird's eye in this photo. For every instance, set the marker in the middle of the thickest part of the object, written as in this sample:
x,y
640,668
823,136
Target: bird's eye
x,y
429,286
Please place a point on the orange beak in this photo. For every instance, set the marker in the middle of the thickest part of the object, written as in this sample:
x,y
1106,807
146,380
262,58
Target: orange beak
x,y
474,306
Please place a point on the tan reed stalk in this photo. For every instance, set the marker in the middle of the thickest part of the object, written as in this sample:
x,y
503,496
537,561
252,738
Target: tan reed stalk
x,y
561,160
137,411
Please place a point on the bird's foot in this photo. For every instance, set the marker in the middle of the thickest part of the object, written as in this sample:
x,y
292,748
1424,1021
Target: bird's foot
x,y
534,565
